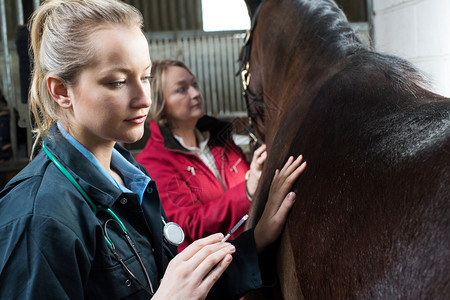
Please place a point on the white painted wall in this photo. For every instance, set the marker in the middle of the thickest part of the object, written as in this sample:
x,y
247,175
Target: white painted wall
x,y
418,30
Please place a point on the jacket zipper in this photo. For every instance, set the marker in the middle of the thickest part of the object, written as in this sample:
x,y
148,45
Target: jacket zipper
x,y
222,169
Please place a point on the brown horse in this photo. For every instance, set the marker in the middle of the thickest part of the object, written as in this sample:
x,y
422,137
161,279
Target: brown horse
x,y
373,207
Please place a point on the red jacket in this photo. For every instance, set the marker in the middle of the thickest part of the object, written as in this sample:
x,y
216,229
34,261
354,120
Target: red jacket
x,y
190,193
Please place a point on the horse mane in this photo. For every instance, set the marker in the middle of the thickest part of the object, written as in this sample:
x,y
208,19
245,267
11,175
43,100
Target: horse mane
x,y
324,21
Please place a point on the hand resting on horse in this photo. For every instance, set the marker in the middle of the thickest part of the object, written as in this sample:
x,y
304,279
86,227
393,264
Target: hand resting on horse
x,y
259,157
279,203
193,272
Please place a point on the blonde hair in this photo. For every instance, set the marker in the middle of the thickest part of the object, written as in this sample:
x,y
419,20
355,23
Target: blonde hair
x,y
60,40
159,68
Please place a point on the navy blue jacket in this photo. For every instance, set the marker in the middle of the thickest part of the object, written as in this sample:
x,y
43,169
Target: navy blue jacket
x,y
52,245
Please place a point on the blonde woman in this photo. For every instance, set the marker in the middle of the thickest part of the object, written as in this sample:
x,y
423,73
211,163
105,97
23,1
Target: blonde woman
x,y
83,220
204,180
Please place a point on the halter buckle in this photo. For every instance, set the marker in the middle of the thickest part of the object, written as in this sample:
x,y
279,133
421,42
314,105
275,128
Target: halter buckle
x,y
247,37
245,76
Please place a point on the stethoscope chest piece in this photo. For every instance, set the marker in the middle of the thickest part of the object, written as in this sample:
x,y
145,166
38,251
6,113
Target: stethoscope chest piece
x,y
173,234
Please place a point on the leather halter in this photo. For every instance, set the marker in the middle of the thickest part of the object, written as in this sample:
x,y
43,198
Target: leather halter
x,y
244,68
244,71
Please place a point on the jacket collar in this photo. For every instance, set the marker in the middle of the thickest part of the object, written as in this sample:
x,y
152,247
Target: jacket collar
x,y
93,182
220,132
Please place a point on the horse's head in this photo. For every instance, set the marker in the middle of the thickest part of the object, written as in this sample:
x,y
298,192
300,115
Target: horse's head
x,y
284,57
290,50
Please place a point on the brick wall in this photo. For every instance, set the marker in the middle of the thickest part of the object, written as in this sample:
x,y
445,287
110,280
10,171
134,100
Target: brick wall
x,y
418,30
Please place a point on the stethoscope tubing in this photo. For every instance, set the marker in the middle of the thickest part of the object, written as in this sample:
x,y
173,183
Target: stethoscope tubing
x,y
95,210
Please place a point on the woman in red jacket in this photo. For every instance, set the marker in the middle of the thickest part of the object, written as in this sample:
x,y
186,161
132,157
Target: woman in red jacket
x,y
203,178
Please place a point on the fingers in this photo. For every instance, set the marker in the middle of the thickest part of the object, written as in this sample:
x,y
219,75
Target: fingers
x,y
192,273
209,264
202,255
294,170
256,166
261,149
210,256
279,203
291,165
289,173
215,273
282,183
193,248
260,155
280,215
262,158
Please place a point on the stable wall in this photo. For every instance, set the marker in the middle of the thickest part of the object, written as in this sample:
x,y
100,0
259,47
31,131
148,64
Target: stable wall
x,y
418,30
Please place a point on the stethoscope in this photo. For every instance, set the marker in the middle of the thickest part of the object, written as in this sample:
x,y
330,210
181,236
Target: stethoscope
x,y
172,232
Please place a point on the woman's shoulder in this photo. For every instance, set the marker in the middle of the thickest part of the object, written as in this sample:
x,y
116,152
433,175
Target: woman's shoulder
x,y
18,197
37,191
219,130
30,176
22,200
213,124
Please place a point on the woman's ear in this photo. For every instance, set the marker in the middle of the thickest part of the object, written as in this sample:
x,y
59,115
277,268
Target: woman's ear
x,y
59,91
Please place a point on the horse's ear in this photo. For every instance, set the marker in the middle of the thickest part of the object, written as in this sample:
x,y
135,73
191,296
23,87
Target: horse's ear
x,y
251,6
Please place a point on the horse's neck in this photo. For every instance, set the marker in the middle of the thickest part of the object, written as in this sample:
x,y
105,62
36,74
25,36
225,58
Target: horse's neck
x,y
298,84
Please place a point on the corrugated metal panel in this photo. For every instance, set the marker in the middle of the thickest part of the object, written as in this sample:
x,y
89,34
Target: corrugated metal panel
x,y
170,15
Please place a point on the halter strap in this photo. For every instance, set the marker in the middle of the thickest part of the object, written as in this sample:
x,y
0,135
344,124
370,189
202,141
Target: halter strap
x,y
248,38
245,63
245,73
